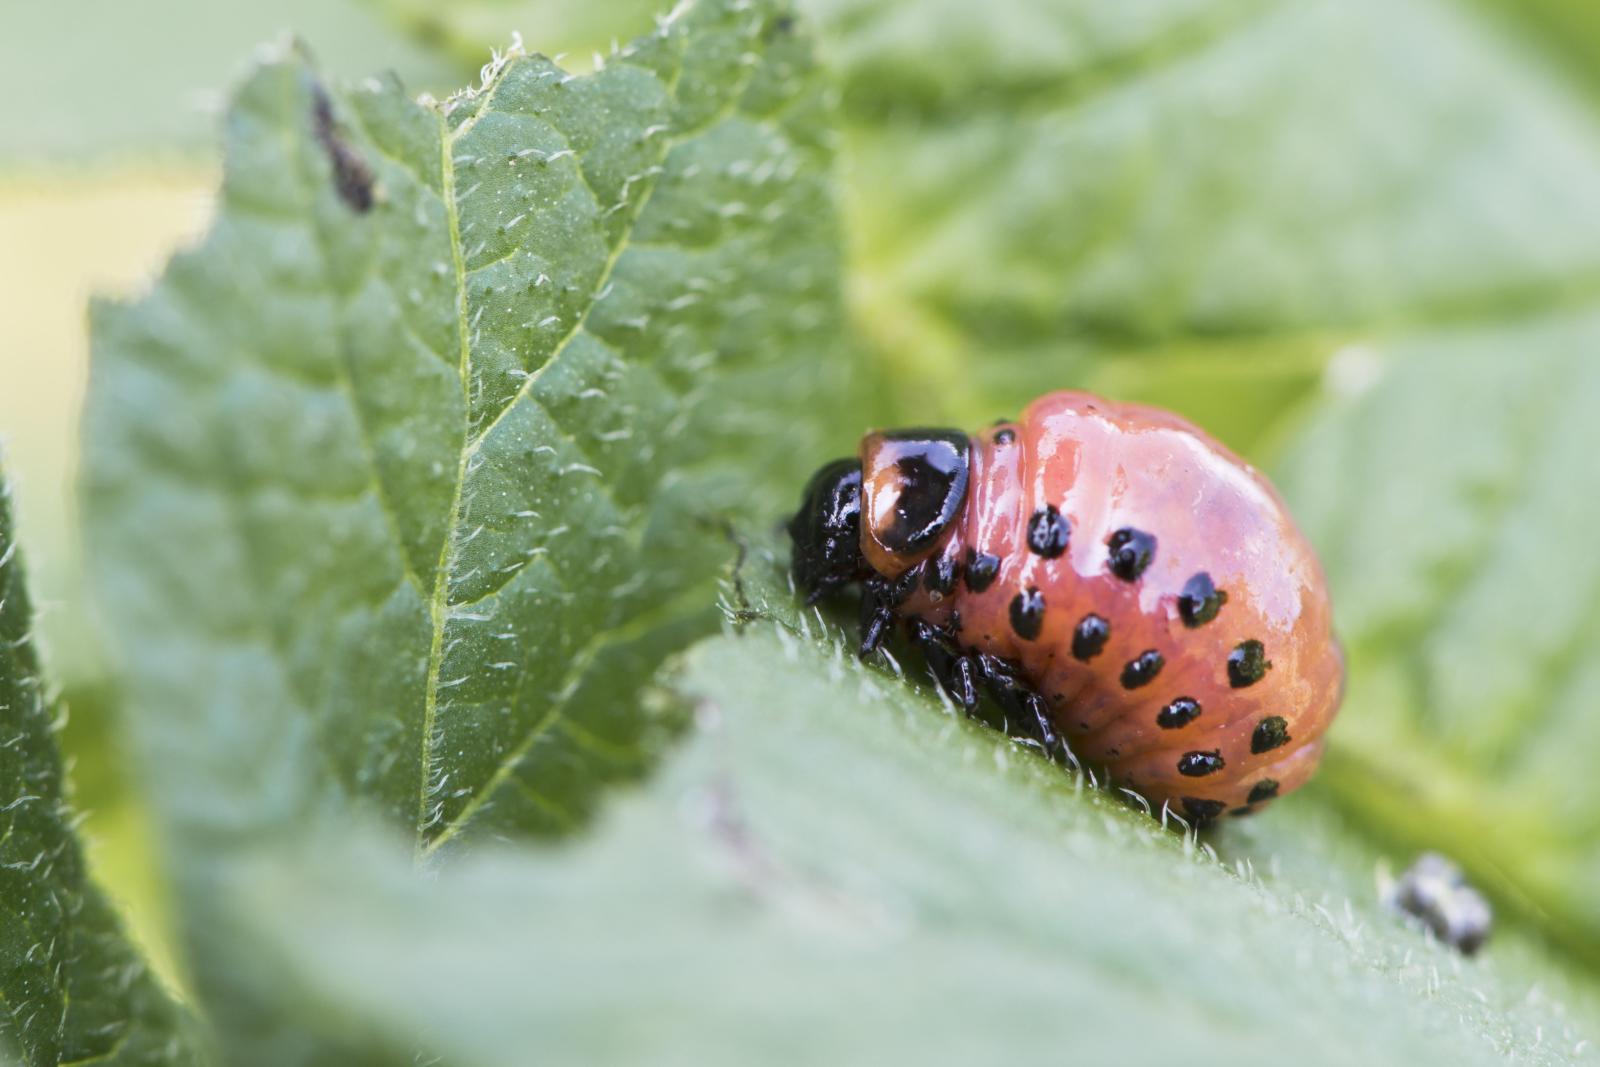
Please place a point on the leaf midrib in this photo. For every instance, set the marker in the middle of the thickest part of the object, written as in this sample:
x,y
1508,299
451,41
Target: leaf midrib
x,y
438,605
439,601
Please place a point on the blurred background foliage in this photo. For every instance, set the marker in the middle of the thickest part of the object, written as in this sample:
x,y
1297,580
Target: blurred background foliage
x,y
1359,242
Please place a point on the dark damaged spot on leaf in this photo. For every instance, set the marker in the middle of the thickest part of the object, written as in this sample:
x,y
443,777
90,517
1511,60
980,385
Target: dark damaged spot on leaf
x,y
351,175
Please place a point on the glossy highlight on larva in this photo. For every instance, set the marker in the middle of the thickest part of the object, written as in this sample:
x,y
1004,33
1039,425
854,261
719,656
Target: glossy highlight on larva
x,y
1117,581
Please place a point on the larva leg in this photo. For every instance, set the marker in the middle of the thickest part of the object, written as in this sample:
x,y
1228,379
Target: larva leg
x,y
876,618
879,599
956,673
1006,686
1033,705
964,683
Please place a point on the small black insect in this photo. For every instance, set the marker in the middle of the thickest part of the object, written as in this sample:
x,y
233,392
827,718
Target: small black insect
x,y
1435,892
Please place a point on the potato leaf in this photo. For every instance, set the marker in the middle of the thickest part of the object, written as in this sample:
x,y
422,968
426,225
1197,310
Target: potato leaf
x,y
836,870
1451,489
73,989
1191,202
1259,212
401,482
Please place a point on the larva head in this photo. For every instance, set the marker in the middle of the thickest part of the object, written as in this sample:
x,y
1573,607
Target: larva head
x,y
913,486
827,530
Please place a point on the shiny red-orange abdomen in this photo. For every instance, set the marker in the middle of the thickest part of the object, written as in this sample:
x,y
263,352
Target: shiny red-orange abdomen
x,y
1144,581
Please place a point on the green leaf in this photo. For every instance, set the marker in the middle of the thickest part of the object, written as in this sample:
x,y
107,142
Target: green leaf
x,y
1453,500
1195,202
400,484
72,987
318,472
837,870
1565,30
1093,179
376,490
1246,210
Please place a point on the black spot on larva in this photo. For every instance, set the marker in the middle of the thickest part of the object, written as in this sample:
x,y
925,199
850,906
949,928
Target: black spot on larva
x,y
1200,764
1005,437
1142,669
352,178
1265,789
1247,664
1201,811
1200,600
1131,552
899,590
1027,613
982,569
1089,637
1180,712
1048,532
942,574
1270,733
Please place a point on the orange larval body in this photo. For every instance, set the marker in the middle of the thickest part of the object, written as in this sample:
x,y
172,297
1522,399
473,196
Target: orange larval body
x,y
1124,575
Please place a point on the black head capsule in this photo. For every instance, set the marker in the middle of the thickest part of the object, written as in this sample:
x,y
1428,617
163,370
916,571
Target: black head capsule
x,y
1131,552
982,569
1142,669
1089,637
1027,614
827,530
1048,532
1200,764
1247,664
1270,733
1200,600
